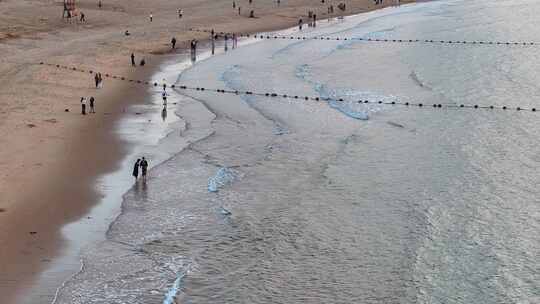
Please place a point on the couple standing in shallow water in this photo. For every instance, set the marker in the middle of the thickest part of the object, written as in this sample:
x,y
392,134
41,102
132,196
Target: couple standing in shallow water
x,y
143,164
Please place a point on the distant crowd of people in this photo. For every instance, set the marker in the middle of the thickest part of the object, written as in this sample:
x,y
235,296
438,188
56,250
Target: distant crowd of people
x,y
88,106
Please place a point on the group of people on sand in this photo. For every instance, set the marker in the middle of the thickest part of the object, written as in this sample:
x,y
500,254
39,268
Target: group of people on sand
x,y
140,164
312,20
251,12
396,2
92,103
142,63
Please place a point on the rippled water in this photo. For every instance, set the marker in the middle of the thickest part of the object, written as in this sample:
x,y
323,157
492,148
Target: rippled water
x,y
277,201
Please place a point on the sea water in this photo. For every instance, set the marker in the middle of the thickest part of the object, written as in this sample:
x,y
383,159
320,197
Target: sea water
x,y
289,201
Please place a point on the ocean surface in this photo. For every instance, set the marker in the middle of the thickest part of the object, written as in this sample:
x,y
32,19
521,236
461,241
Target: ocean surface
x,y
270,200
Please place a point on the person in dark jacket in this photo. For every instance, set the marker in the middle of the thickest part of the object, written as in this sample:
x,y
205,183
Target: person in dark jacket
x,y
92,103
136,168
144,168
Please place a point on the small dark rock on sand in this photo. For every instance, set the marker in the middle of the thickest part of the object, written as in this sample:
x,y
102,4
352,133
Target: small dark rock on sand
x,y
396,124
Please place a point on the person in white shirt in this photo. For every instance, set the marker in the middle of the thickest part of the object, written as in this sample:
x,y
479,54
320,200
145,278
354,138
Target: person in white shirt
x,y
83,105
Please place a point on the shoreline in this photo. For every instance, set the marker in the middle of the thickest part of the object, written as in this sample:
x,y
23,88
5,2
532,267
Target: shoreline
x,y
47,243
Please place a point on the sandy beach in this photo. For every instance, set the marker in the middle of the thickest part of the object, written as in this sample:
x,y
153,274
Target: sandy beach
x,y
50,158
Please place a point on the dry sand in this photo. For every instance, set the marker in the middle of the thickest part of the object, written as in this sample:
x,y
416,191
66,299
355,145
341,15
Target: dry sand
x,y
49,158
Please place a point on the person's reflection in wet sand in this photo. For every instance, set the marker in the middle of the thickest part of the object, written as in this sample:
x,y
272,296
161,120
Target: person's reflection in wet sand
x,y
143,192
140,190
137,189
164,113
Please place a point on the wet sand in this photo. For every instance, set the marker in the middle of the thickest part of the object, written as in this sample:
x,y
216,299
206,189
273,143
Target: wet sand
x,y
50,158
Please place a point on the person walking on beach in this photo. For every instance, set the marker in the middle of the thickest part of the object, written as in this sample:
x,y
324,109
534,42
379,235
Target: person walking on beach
x,y
234,40
193,49
226,38
132,59
300,23
83,105
212,38
83,17
151,17
180,13
136,169
100,80
173,42
92,100
96,79
144,168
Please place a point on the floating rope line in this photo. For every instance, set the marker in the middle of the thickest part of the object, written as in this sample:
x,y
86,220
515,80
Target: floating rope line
x,y
299,97
326,38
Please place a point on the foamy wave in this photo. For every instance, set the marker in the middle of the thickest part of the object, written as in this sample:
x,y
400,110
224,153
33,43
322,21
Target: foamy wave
x,y
173,291
223,177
